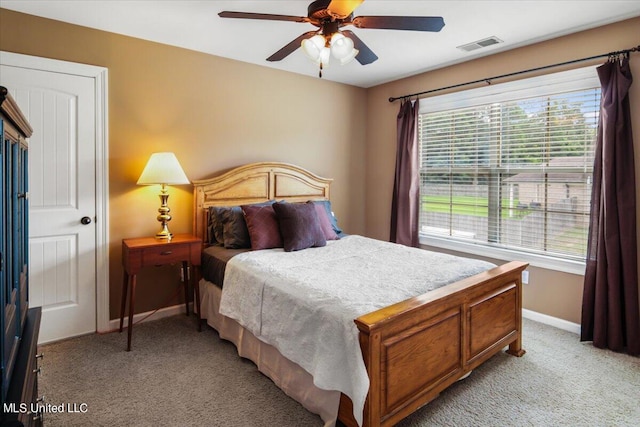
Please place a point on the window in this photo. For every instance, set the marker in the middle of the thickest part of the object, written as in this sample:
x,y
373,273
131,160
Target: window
x,y
509,168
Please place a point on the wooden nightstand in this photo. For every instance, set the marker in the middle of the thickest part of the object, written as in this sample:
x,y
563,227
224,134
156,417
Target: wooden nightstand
x,y
149,251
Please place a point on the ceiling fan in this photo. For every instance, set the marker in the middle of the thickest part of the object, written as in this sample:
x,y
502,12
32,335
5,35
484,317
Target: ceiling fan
x,y
330,40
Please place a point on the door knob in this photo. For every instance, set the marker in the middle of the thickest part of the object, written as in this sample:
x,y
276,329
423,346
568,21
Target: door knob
x,y
85,220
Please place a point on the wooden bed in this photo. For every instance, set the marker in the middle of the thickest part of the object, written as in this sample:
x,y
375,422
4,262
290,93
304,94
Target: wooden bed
x,y
415,349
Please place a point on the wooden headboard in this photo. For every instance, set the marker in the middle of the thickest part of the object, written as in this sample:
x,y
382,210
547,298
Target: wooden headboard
x,y
255,183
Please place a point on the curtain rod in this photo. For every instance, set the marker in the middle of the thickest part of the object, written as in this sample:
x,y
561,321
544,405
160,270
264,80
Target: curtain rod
x,y
488,79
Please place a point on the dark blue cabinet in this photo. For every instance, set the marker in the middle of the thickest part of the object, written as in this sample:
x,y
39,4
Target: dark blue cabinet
x,y
20,325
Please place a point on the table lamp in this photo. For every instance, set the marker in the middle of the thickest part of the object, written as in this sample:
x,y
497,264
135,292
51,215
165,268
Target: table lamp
x,y
163,169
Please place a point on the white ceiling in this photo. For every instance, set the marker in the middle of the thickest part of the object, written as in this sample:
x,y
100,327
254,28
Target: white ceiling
x,y
195,25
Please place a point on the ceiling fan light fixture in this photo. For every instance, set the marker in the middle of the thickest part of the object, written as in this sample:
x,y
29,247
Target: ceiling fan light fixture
x,y
313,47
329,16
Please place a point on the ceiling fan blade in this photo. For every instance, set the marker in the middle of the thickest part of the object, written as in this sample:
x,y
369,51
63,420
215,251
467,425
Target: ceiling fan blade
x,y
343,8
265,16
292,46
412,23
366,55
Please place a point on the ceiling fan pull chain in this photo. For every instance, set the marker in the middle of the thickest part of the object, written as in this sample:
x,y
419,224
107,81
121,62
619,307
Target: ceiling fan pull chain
x,y
320,72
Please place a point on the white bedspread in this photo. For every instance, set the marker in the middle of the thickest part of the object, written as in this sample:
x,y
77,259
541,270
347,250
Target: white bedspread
x,y
304,302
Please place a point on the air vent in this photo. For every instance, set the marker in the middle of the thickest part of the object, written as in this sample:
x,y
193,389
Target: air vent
x,y
480,44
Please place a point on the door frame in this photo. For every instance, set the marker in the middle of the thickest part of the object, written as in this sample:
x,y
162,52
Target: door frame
x,y
100,76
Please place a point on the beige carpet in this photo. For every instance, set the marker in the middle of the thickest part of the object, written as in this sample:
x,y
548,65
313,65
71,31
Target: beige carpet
x,y
176,376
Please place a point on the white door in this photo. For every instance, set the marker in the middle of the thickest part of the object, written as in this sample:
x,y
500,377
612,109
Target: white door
x,y
62,197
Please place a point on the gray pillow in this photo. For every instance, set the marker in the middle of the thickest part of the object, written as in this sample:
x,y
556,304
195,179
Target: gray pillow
x,y
215,226
234,228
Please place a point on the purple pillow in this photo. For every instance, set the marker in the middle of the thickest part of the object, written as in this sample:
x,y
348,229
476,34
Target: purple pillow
x,y
332,218
325,223
264,231
299,226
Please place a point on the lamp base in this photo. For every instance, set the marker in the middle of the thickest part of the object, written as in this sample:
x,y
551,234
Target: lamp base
x,y
164,233
163,215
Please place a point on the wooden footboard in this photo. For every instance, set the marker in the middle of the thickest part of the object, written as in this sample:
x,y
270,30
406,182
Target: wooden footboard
x,y
415,349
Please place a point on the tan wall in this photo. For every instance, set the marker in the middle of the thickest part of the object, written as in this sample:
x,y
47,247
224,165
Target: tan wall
x,y
214,113
553,293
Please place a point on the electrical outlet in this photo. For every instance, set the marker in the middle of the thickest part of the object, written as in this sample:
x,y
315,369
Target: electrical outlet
x,y
525,277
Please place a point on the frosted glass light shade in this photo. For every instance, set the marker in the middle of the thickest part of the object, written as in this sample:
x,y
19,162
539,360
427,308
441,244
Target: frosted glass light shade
x,y
350,57
313,46
163,168
342,48
325,55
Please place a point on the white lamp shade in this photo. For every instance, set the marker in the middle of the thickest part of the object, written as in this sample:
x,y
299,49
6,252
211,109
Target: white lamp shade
x,y
313,46
350,57
163,168
325,55
341,46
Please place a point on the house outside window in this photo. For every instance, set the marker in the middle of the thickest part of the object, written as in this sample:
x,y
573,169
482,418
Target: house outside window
x,y
506,170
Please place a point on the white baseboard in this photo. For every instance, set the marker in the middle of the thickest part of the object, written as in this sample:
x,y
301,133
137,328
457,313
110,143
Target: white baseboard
x,y
114,324
551,321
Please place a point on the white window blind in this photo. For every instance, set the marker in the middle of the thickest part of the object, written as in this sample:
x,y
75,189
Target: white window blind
x,y
512,168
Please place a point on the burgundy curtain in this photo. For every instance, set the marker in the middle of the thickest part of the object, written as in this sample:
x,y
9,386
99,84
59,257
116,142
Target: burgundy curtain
x,y
610,314
406,186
